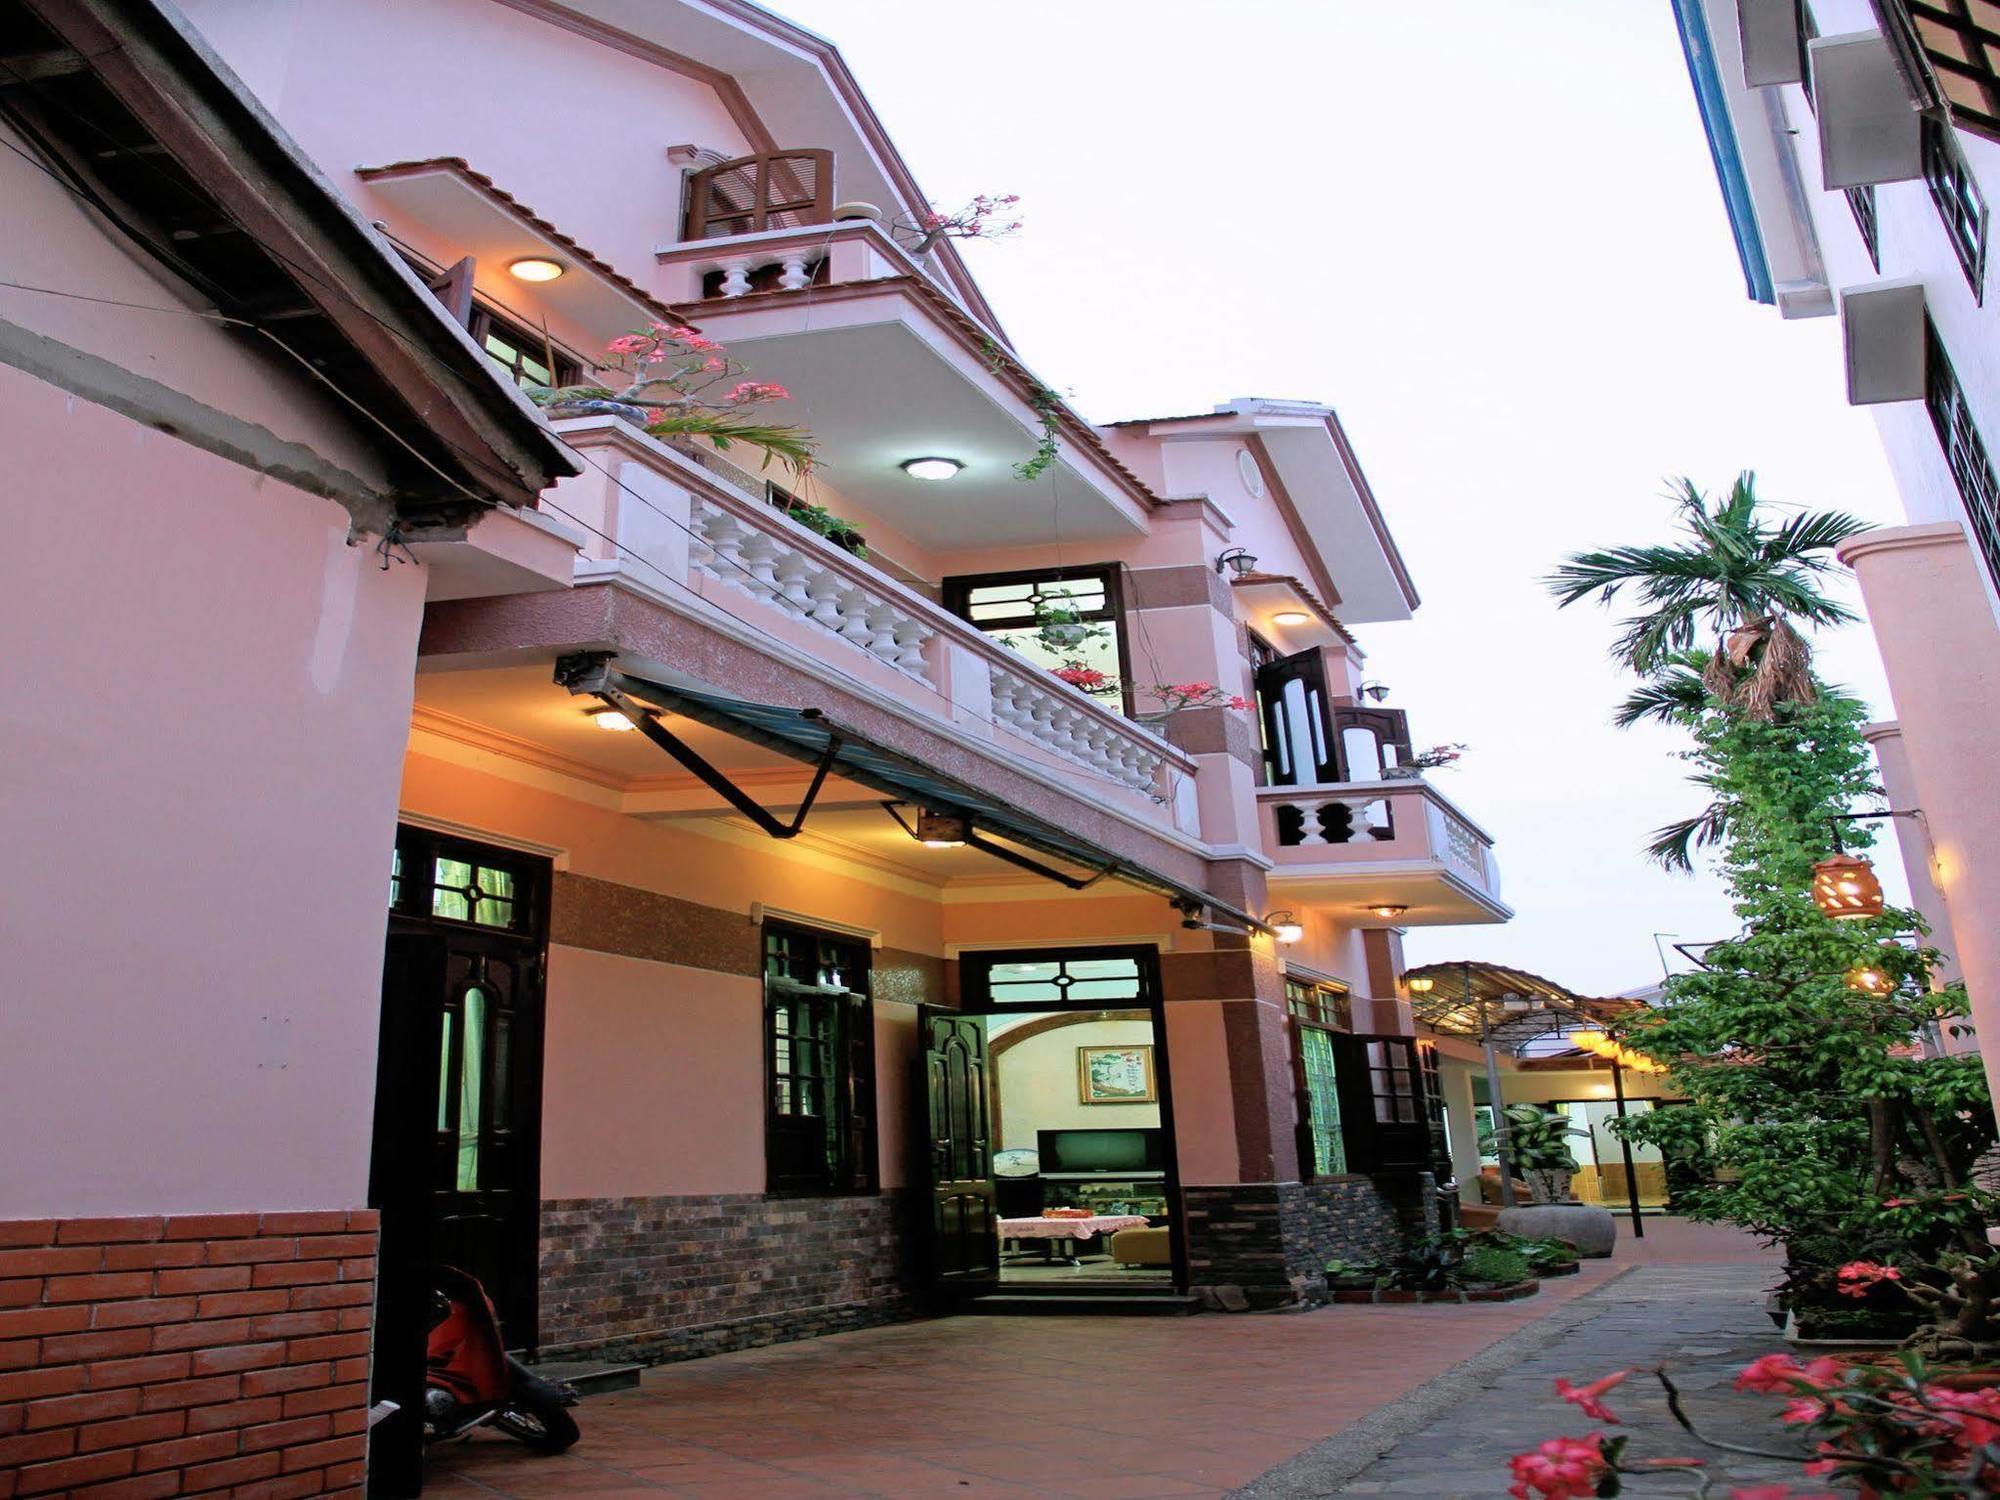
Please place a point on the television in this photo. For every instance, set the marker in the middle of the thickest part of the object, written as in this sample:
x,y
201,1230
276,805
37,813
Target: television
x,y
1141,1149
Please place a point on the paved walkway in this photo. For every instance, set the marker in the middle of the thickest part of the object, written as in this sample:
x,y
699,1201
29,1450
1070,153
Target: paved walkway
x,y
1060,1408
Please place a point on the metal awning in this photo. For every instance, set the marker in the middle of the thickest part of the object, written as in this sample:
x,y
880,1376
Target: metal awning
x,y
809,736
1471,999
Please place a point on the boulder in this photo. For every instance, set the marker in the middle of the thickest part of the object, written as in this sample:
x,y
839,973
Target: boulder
x,y
1585,1225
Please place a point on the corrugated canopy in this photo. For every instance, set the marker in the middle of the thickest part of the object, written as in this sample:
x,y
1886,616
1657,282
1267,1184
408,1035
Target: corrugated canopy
x,y
805,734
1472,999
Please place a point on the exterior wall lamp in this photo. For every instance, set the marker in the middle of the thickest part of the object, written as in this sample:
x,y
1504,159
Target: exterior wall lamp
x,y
1239,560
1285,927
936,830
611,719
1374,692
1421,985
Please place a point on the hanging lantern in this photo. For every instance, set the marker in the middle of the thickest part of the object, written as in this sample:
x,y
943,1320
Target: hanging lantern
x,y
1845,888
1869,980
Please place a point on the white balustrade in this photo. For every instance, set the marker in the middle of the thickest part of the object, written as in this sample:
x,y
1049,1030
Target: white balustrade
x,y
1462,847
1070,728
1366,818
779,568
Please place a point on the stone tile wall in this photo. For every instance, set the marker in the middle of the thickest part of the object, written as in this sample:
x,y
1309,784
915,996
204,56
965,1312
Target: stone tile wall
x,y
1274,1239
678,1277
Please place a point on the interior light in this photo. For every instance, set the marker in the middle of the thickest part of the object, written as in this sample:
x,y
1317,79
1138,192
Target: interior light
x,y
1422,985
931,468
1386,910
535,268
936,830
611,719
1291,617
1285,927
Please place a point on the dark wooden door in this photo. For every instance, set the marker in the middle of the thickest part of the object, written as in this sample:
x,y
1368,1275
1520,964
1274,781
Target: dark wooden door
x,y
1292,700
965,1231
456,1168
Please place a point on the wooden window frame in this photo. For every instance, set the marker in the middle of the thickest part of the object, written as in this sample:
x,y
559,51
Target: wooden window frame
x,y
414,879
564,367
955,592
1964,449
1309,1007
851,1081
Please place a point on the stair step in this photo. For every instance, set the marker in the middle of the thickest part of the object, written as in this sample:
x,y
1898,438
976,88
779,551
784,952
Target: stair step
x,y
587,1378
1043,1304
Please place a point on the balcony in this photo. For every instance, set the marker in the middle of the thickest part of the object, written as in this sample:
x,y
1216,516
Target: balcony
x,y
697,537
1359,844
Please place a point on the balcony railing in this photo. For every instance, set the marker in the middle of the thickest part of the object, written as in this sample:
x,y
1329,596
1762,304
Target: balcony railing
x,y
692,528
1355,824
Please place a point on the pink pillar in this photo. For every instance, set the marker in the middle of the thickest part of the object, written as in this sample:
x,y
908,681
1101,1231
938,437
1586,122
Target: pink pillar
x,y
1934,624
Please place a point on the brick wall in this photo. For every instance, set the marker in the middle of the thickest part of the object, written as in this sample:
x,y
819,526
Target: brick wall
x,y
1274,1239
678,1277
220,1354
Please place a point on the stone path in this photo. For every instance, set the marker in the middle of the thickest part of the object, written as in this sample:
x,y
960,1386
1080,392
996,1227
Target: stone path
x,y
1096,1408
1451,1439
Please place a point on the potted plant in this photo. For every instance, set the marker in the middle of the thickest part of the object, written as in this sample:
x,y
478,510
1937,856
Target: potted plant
x,y
818,518
681,385
1537,1142
1062,629
1457,1266
1435,758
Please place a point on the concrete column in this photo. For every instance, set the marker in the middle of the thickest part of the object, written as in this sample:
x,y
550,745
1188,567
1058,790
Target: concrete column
x,y
1934,624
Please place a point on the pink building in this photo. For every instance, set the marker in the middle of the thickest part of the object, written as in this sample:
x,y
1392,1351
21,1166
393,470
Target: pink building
x,y
1858,147
793,1010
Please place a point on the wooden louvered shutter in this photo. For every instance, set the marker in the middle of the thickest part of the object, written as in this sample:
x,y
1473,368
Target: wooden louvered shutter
x,y
771,190
453,287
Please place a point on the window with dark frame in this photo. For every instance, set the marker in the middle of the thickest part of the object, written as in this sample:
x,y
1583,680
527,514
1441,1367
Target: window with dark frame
x,y
1320,1012
1964,450
526,356
437,876
1861,203
1960,41
1008,607
819,1062
1959,202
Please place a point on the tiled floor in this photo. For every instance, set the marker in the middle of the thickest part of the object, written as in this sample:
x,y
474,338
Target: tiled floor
x,y
1065,1408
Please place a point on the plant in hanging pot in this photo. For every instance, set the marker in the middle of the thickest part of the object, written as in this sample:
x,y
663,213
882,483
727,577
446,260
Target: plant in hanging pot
x,y
681,385
1060,628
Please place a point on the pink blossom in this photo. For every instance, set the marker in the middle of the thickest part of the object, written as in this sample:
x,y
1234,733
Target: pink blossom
x,y
1559,1469
631,343
1858,1276
1238,701
1781,1375
1802,1410
1081,677
757,390
687,338
1589,1398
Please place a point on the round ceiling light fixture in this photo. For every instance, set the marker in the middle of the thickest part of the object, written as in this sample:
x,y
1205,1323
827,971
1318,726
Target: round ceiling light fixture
x,y
931,468
1386,910
1291,617
535,268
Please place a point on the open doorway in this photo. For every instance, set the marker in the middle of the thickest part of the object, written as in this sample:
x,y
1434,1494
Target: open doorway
x,y
1051,1127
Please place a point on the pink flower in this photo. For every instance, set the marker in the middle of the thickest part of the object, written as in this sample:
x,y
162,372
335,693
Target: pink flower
x,y
1191,689
756,390
1773,1492
688,339
1081,677
1559,1469
1238,701
1781,1375
1802,1410
631,343
1857,1276
1588,1398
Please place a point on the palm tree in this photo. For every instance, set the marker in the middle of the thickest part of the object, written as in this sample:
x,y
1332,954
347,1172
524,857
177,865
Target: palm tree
x,y
1734,575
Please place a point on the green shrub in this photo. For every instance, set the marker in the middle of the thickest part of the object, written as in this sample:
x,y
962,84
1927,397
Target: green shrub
x,y
1494,1264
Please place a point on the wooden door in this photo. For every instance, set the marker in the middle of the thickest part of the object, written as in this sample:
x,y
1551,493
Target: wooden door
x,y
1298,728
965,1231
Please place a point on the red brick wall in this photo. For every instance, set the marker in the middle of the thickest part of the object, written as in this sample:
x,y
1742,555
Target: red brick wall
x,y
218,1354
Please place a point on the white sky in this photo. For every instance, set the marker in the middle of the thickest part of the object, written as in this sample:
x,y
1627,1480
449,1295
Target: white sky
x,y
1491,237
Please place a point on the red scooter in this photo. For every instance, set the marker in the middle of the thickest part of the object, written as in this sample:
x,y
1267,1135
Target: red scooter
x,y
472,1380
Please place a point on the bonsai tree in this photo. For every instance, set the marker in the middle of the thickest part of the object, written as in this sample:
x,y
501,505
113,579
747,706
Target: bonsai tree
x,y
1796,1043
1537,1144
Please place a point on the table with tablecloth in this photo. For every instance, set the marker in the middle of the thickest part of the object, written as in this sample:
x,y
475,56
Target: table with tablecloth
x,y
1056,1230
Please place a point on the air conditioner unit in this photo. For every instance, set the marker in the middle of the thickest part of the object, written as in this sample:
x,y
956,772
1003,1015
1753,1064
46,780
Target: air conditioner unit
x,y
1869,128
1769,30
1882,334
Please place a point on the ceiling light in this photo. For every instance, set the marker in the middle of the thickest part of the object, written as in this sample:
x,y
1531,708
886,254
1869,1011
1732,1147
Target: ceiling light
x,y
931,468
1291,617
1423,984
1285,927
936,830
535,268
1385,910
611,719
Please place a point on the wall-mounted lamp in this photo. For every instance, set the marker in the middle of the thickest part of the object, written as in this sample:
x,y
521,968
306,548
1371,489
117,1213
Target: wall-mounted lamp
x,y
931,468
938,830
1239,560
1422,985
535,268
1374,692
611,719
1291,617
1386,910
1285,927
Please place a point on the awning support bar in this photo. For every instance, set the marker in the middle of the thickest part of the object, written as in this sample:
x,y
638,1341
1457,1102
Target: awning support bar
x,y
975,840
591,672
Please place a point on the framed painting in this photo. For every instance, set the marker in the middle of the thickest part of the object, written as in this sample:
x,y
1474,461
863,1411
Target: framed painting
x,y
1116,1075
